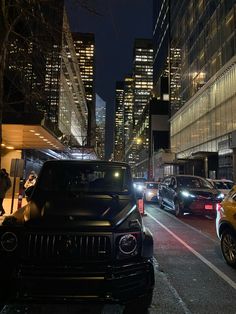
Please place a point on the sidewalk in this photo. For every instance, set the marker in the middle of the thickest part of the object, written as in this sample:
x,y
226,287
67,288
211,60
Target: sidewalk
x,y
7,204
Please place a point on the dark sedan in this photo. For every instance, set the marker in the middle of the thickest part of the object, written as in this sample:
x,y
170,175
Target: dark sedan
x,y
188,194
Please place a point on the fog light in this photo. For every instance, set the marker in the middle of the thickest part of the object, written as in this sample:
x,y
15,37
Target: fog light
x,y
127,244
9,241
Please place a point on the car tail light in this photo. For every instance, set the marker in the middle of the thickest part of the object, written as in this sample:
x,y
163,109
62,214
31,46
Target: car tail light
x,y
208,206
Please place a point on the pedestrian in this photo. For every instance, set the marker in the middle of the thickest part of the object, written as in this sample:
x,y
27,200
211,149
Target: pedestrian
x,y
31,180
5,184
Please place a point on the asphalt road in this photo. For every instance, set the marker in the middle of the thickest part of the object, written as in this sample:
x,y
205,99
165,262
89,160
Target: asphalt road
x,y
190,266
191,275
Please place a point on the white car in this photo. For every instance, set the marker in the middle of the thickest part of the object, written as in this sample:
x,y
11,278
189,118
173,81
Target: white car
x,y
223,185
150,191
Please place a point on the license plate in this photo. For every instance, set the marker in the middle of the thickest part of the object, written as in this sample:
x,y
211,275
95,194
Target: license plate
x,y
208,206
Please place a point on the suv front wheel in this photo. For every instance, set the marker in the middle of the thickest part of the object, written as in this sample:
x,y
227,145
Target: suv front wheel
x,y
228,247
160,201
178,209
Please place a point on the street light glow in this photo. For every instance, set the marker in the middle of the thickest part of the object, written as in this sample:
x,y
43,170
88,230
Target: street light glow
x,y
138,140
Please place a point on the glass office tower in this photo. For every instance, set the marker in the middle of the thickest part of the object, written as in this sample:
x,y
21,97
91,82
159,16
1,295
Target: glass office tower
x,y
143,75
119,122
85,50
203,120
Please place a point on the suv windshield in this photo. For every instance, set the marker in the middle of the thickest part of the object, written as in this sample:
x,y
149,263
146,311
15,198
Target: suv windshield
x,y
223,185
152,185
139,180
193,182
84,177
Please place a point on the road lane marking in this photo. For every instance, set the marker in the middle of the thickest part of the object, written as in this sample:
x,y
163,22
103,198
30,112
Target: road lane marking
x,y
198,255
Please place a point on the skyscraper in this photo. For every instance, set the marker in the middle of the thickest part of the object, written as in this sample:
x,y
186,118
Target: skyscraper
x,y
73,109
128,107
100,126
143,75
161,35
119,122
44,102
85,50
203,130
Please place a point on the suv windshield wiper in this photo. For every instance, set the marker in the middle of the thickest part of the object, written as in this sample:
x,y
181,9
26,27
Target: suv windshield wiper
x,y
81,194
114,195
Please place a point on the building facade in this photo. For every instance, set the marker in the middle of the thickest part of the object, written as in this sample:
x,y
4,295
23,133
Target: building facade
x,y
44,100
100,126
128,108
161,36
203,128
200,36
142,75
73,109
84,44
119,122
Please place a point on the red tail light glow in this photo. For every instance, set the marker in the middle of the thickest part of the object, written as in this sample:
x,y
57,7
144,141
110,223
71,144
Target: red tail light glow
x,y
218,207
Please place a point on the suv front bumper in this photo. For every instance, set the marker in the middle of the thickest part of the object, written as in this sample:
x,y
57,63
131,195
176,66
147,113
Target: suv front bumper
x,y
120,283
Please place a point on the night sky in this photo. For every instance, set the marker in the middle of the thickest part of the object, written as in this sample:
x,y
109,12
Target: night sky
x,y
116,25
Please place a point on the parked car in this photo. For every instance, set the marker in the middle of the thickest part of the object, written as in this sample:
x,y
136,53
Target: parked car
x,y
188,194
150,191
223,185
226,226
80,237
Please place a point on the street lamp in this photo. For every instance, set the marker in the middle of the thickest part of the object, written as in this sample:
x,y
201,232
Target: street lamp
x,y
138,140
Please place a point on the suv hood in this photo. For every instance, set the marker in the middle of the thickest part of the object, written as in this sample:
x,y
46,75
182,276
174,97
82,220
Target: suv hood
x,y
93,210
104,206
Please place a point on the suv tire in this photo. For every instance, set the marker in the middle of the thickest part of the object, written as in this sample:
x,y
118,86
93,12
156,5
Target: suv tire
x,y
228,247
178,209
160,201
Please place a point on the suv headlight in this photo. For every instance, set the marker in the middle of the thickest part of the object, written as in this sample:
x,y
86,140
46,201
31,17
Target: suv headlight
x,y
187,194
9,241
127,246
220,196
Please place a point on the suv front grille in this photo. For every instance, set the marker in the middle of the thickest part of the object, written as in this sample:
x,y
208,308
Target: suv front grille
x,y
61,246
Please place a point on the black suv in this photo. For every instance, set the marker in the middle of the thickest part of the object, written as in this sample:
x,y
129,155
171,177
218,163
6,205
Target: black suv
x,y
80,237
188,194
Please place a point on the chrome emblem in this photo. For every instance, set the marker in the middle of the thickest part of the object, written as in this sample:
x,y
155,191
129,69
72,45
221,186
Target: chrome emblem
x,y
67,246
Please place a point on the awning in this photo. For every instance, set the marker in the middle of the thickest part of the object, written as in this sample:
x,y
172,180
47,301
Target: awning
x,y
29,131
202,154
32,136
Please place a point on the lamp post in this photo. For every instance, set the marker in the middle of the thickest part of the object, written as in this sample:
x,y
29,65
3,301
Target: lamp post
x,y
137,142
151,158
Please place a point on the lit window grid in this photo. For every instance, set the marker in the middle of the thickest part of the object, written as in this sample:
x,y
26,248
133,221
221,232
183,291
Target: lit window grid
x,y
208,117
219,30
